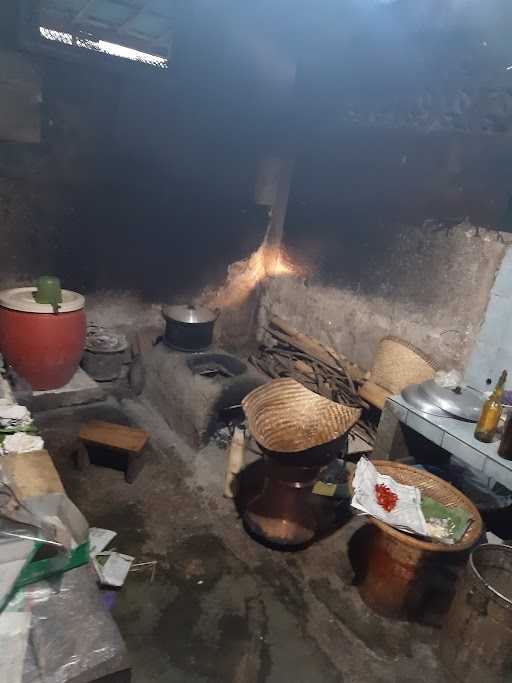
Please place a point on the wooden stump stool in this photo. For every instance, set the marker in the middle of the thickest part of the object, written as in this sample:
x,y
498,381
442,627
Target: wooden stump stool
x,y
119,440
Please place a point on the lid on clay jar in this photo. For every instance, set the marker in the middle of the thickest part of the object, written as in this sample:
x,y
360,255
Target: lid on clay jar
x,y
22,299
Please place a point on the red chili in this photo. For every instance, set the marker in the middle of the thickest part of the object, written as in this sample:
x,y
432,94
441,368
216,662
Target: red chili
x,y
386,498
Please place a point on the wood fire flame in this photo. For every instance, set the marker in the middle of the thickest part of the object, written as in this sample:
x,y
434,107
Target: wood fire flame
x,y
244,276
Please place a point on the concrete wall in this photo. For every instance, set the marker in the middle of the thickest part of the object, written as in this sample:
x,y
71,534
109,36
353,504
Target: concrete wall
x,y
433,292
402,180
144,184
117,195
143,180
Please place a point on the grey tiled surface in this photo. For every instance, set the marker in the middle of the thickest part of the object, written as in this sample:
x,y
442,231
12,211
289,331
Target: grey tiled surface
x,y
455,436
427,429
461,451
398,410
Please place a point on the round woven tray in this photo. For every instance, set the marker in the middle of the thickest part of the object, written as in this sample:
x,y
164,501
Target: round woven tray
x,y
435,488
398,363
285,417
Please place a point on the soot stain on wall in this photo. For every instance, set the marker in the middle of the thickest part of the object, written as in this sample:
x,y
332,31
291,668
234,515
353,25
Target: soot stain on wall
x,y
121,193
400,128
365,213
406,135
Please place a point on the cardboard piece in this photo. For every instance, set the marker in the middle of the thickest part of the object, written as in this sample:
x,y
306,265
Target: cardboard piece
x,y
31,474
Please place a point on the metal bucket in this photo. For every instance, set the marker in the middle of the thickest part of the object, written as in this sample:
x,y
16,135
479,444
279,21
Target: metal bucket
x,y
476,640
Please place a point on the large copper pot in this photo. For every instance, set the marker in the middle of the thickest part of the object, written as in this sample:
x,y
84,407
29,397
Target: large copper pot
x,y
283,513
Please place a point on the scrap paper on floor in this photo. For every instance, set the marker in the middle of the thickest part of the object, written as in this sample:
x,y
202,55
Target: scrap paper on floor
x,y
112,568
99,539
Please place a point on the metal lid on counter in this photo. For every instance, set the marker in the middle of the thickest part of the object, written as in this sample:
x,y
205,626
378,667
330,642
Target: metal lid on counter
x,y
463,402
428,397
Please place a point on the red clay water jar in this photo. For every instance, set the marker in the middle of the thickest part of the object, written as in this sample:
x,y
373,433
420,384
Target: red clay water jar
x,y
42,346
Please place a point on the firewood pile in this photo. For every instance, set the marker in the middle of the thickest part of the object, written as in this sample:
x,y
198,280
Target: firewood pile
x,y
316,366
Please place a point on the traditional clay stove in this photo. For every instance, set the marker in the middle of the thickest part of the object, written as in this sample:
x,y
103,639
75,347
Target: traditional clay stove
x,y
299,433
192,390
216,365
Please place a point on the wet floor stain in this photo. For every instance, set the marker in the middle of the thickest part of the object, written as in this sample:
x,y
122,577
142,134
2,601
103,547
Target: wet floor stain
x,y
210,614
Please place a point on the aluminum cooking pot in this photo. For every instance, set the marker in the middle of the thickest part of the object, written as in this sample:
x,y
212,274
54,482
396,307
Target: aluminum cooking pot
x,y
189,327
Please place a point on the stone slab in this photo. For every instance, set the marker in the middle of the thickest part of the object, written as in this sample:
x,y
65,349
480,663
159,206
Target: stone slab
x,y
79,390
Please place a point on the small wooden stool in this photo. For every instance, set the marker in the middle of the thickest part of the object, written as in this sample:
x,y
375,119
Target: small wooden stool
x,y
127,441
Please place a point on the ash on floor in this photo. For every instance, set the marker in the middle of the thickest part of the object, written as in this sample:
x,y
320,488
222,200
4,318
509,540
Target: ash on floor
x,y
222,608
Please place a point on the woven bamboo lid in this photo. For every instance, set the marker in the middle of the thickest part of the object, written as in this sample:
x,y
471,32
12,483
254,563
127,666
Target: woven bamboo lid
x,y
397,364
285,417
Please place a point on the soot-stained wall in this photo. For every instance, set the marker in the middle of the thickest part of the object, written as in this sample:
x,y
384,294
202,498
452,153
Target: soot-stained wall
x,y
142,181
401,129
121,193
403,178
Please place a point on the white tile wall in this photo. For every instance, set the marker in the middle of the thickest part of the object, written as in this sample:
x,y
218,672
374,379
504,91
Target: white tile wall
x,y
492,351
503,284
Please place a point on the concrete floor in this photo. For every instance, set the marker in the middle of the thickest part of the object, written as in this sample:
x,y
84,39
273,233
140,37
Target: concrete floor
x,y
223,608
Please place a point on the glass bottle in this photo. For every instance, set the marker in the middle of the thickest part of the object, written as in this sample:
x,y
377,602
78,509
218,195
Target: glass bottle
x,y
491,412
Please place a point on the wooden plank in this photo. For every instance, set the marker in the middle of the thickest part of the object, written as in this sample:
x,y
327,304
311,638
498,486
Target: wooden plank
x,y
118,437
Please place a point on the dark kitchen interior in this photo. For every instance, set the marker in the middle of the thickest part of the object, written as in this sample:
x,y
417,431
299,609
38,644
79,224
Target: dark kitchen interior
x,y
254,341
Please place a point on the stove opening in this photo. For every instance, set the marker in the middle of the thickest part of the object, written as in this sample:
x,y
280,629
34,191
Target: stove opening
x,y
216,365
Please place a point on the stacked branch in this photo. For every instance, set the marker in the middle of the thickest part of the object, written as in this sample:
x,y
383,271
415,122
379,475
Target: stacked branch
x,y
315,365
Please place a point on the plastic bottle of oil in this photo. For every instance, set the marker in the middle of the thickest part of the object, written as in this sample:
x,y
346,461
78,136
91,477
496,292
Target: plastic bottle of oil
x,y
491,412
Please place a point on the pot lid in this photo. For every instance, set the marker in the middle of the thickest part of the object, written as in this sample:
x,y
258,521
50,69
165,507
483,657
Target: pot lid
x,y
415,395
189,313
102,340
464,403
22,299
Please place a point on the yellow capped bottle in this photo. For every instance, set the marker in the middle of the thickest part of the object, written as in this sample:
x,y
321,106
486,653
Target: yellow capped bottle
x,y
491,412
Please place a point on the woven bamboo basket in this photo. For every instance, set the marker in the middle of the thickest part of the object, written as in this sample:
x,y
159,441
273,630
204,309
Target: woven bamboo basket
x,y
398,364
435,488
285,417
